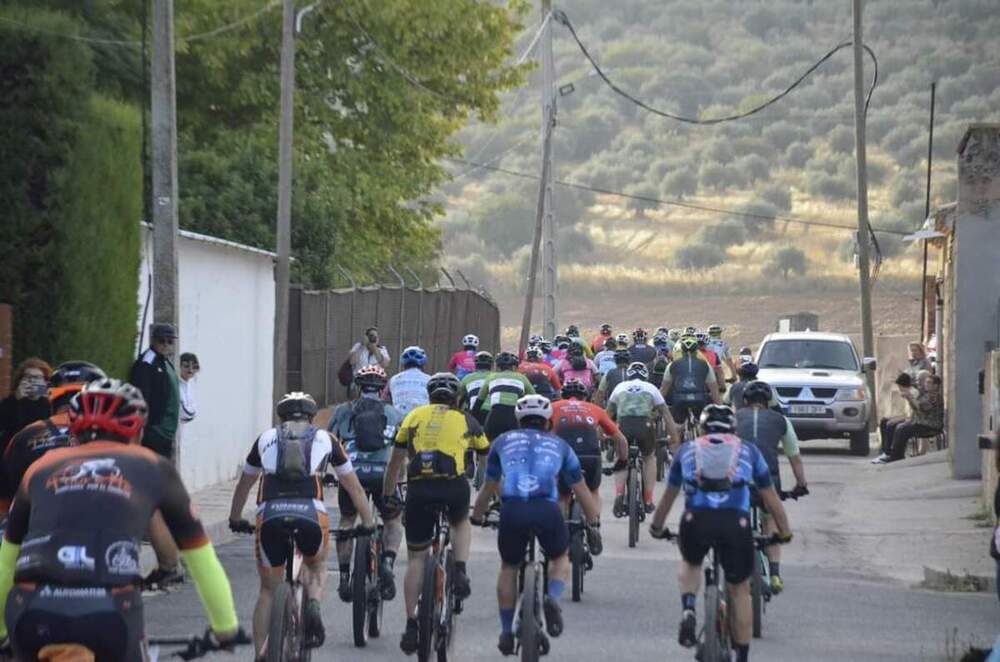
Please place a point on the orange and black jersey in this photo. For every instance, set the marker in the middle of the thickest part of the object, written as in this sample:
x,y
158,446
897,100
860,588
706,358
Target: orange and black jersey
x,y
27,446
81,512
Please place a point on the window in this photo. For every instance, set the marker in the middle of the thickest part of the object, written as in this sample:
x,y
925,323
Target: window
x,y
808,354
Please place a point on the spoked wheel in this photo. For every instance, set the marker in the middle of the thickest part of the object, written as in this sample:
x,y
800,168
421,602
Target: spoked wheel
x,y
446,633
634,504
283,640
375,601
712,645
661,460
757,595
530,633
426,608
359,589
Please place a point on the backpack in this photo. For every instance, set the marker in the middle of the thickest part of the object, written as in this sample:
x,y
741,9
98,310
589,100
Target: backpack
x,y
345,374
294,453
578,362
717,462
368,422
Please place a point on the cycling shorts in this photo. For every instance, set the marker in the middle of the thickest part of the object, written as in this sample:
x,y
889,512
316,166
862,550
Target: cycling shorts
x,y
374,488
640,431
106,621
500,419
306,519
680,411
591,469
520,518
422,496
726,530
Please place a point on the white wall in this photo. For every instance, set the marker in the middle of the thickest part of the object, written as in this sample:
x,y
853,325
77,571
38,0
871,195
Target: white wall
x,y
227,319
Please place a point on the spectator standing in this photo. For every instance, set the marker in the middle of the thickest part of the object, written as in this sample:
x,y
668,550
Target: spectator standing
x,y
917,360
190,367
29,402
369,352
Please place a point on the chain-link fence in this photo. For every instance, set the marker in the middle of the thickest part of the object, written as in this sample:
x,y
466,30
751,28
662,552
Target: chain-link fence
x,y
323,326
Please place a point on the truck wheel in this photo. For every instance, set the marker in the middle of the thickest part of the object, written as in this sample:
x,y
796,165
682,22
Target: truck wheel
x,y
860,443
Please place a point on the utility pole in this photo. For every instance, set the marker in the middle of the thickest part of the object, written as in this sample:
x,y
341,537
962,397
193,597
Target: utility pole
x,y
284,218
164,138
529,296
864,274
549,272
927,212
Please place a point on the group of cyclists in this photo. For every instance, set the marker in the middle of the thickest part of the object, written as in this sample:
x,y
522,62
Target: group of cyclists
x,y
526,429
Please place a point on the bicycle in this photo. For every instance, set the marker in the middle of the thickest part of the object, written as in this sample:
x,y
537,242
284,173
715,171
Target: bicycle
x,y
579,549
760,582
194,646
366,579
663,455
437,604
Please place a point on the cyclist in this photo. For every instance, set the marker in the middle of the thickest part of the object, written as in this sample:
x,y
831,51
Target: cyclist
x,y
578,366
578,423
713,360
715,472
523,468
541,375
408,388
573,333
473,382
289,460
767,430
674,335
605,359
73,537
561,347
464,362
432,442
634,404
367,427
641,350
534,340
600,340
721,348
622,340
689,382
499,395
613,377
662,361
734,394
550,358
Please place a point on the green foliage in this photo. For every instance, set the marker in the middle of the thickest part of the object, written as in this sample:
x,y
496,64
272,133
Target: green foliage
x,y
778,196
786,260
680,183
730,232
698,257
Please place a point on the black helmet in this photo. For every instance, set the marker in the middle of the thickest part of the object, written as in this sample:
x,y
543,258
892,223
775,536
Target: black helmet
x,y
622,356
443,388
484,361
606,327
639,335
75,372
758,391
717,418
610,344
748,371
573,331
574,388
296,406
575,349
507,360
637,370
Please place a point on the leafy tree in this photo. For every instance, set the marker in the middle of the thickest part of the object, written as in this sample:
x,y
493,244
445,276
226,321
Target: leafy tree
x,y
777,195
841,140
754,168
797,155
782,134
786,260
730,232
698,257
761,213
643,190
680,183
831,187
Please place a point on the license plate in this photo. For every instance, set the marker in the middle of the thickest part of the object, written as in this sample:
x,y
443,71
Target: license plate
x,y
808,410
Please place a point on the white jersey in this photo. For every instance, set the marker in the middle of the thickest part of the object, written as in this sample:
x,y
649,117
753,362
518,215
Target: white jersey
x,y
408,390
263,457
720,347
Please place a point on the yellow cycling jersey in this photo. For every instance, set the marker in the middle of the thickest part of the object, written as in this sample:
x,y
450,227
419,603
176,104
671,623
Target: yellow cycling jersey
x,y
436,438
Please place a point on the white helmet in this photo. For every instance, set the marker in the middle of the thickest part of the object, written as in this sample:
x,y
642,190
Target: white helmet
x,y
533,405
470,341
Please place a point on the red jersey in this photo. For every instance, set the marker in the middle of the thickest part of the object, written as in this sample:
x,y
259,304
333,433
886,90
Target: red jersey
x,y
577,421
597,344
710,356
542,377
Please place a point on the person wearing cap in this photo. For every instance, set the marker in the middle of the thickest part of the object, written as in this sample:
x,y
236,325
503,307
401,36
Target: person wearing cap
x,y
153,373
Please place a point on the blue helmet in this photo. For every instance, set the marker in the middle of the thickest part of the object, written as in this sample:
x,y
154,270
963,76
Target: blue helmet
x,y
413,355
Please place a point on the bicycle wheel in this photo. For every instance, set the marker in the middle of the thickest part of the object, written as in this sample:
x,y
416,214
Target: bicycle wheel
x,y
529,616
283,626
757,595
712,646
446,631
425,608
359,589
576,557
374,586
634,504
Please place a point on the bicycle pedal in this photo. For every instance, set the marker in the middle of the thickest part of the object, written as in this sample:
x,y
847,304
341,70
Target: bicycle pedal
x,y
588,563
459,606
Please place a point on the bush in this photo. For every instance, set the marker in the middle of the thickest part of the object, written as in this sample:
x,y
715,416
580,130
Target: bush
x,y
698,257
680,183
754,168
841,140
835,188
782,134
785,260
507,222
642,190
720,177
761,215
730,232
905,190
777,195
797,155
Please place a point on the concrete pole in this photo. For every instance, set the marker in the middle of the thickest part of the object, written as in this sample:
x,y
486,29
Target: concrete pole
x,y
529,296
549,268
864,274
164,138
284,219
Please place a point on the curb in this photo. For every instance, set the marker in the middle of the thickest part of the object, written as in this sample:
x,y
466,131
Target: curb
x,y
217,531
945,580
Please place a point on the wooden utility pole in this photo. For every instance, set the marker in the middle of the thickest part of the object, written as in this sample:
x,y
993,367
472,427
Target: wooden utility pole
x,y
164,138
864,274
924,335
529,296
549,266
284,218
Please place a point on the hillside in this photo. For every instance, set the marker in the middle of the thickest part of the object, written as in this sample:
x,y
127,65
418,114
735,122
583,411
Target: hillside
x,y
795,159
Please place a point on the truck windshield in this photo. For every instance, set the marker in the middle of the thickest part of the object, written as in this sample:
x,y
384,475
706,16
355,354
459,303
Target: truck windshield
x,y
820,354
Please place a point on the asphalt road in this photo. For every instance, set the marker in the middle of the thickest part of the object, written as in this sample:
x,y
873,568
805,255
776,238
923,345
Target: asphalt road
x,y
631,606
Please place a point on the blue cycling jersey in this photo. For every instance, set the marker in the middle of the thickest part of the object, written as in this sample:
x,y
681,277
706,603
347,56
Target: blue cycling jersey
x,y
751,470
528,462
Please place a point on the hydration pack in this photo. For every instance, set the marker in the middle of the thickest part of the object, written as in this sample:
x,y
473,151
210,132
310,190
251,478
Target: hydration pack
x,y
294,451
578,362
717,462
368,422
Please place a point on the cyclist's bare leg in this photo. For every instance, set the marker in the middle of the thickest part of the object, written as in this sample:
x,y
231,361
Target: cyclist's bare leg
x,y
742,612
411,582
770,528
559,568
314,574
392,534
596,493
345,547
507,586
689,578
461,540
269,580
648,476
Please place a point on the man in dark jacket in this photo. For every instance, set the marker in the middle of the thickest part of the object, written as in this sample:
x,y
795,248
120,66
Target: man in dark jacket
x,y
154,375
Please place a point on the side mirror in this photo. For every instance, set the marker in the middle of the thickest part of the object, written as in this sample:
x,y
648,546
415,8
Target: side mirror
x,y
868,364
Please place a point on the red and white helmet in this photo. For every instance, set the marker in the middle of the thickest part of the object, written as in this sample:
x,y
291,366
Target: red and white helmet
x,y
108,407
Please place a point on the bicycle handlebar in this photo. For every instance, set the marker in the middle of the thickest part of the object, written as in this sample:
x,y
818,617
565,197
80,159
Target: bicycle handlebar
x,y
196,646
797,491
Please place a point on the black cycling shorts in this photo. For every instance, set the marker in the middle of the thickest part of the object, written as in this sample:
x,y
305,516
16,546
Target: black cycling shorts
x,y
422,496
372,487
106,621
640,431
680,411
519,518
279,518
500,419
591,469
726,530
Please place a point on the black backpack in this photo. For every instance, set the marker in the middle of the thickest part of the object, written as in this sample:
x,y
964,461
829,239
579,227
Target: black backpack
x,y
368,421
578,362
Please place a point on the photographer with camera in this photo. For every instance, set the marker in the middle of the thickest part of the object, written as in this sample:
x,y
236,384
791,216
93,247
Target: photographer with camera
x,y
369,352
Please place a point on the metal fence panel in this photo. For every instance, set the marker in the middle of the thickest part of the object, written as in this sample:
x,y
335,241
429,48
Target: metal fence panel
x,y
294,357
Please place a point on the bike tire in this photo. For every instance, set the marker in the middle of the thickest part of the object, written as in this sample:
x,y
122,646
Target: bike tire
x,y
576,556
377,605
757,595
359,590
529,616
447,632
425,608
281,626
712,646
634,504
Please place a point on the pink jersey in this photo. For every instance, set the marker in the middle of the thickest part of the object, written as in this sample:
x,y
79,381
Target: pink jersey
x,y
586,375
462,363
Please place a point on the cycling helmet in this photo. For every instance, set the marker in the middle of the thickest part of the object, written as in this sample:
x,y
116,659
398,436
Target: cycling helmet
x,y
371,378
661,331
443,388
748,371
413,355
298,406
746,350
575,349
745,359
573,331
507,360
535,339
69,378
639,334
470,341
610,344
637,370
108,407
533,406
690,330
605,328
757,391
574,388
533,354
484,361
716,418
622,356
702,338
689,344
674,335
546,346
622,339
660,340
715,331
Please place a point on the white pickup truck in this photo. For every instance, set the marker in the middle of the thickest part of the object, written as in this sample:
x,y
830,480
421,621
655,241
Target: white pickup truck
x,y
819,382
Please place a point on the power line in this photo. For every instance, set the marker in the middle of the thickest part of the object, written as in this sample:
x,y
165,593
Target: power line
x,y
493,159
675,203
561,16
